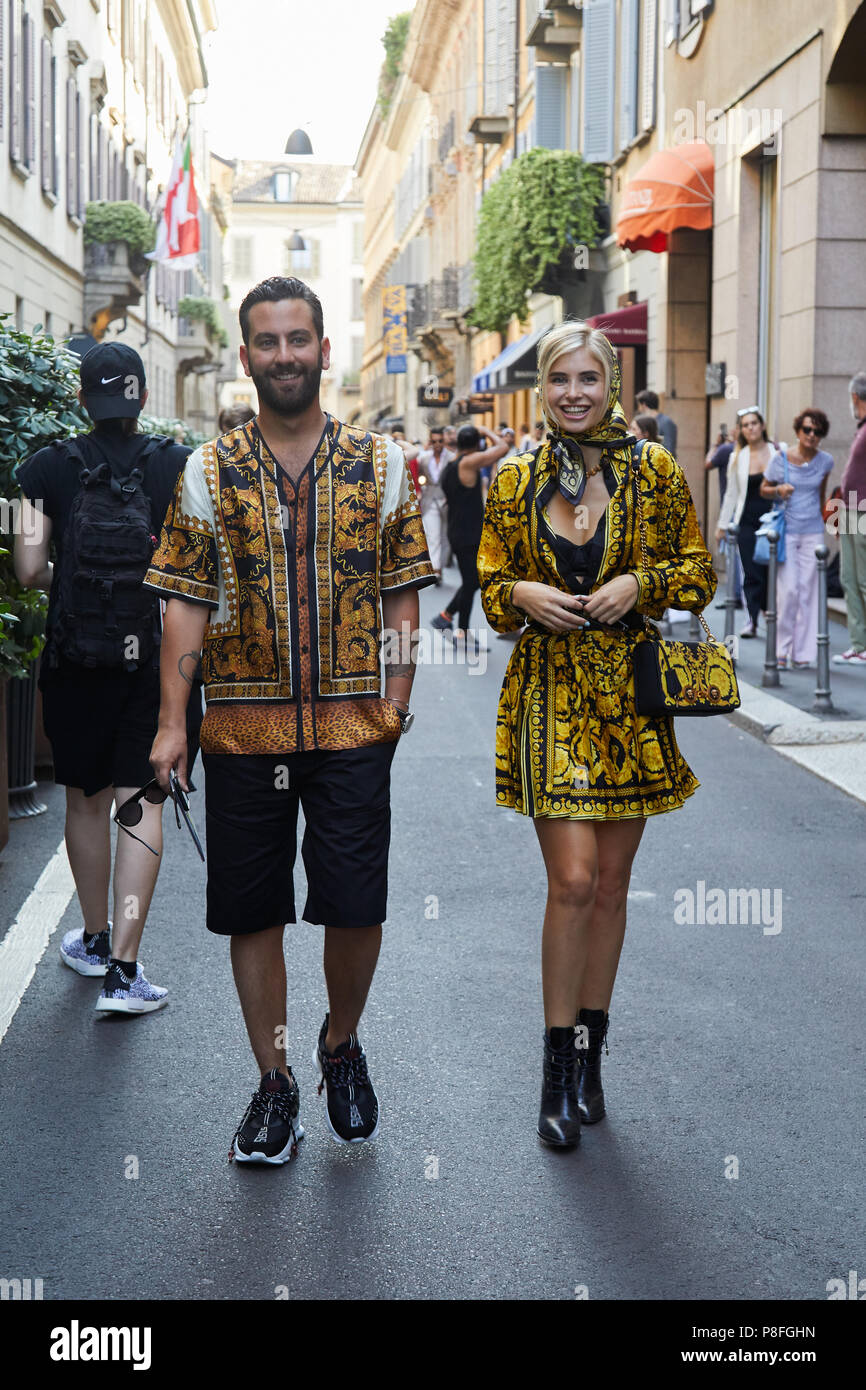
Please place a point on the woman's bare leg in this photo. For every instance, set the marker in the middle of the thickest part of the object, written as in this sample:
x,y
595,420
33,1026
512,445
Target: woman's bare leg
x,y
617,846
571,859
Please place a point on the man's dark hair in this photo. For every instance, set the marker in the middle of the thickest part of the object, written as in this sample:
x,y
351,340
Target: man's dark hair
x,y
271,291
436,429
468,438
648,398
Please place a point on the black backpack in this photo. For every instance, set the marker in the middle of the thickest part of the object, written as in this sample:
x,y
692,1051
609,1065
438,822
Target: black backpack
x,y
102,616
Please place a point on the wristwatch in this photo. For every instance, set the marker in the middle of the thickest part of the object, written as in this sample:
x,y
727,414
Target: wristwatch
x,y
407,718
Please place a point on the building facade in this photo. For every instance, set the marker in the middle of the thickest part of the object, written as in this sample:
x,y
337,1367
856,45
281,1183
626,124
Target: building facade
x,y
274,206
94,92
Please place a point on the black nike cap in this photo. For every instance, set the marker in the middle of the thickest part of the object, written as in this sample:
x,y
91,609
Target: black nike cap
x,y
113,381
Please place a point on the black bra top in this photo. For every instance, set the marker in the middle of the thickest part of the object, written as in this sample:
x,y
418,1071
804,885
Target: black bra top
x,y
579,564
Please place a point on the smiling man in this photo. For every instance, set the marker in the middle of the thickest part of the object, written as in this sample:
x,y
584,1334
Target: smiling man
x,y
285,537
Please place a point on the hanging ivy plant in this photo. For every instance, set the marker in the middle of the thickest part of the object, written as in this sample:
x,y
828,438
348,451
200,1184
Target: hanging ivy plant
x,y
123,221
195,306
542,205
394,44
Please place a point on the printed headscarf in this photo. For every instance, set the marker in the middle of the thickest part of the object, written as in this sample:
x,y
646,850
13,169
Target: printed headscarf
x,y
610,434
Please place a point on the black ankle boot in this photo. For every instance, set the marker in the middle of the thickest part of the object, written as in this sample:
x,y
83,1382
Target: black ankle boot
x,y
559,1117
590,1096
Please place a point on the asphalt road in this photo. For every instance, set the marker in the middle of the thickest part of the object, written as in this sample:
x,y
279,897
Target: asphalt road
x,y
727,1042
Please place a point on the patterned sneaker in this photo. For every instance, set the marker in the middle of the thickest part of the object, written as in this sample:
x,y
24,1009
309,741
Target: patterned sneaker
x,y
850,658
91,959
442,622
270,1129
352,1105
122,995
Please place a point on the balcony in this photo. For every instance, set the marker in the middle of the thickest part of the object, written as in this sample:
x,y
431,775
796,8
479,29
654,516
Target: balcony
x,y
490,130
554,30
114,281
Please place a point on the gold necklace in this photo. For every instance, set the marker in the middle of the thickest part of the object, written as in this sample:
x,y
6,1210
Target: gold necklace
x,y
591,472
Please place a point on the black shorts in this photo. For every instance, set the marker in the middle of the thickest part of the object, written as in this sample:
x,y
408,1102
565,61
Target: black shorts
x,y
251,807
101,725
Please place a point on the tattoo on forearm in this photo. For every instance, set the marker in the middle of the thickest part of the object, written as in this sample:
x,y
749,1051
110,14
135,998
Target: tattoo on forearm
x,y
400,670
188,656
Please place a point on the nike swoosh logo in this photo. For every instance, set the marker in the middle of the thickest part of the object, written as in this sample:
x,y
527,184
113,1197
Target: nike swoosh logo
x,y
107,380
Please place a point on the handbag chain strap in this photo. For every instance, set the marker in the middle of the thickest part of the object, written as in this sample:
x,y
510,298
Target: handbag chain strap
x,y
643,550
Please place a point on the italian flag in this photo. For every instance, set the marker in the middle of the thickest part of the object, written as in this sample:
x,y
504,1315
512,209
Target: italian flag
x,y
179,235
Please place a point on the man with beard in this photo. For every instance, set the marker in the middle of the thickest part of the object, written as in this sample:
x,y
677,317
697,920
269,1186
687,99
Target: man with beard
x,y
284,537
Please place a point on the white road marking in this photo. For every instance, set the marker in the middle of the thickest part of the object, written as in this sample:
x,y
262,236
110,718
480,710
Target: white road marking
x,y
24,944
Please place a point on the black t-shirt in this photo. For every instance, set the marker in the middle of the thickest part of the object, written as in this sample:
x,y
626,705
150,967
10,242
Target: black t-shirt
x,y
50,477
465,507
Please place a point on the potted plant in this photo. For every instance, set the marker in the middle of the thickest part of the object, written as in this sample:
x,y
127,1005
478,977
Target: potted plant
x,y
107,223
536,225
204,310
38,385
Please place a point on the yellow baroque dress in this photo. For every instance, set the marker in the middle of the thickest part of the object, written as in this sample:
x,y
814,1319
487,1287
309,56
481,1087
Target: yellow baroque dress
x,y
569,741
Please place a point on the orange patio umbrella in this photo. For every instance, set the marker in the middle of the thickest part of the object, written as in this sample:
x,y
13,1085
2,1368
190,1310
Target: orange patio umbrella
x,y
673,189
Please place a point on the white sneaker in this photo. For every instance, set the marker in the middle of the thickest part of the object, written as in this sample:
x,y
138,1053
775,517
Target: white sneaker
x,y
850,658
124,996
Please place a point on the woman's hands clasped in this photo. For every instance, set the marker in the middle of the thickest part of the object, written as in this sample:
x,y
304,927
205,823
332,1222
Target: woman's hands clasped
x,y
562,612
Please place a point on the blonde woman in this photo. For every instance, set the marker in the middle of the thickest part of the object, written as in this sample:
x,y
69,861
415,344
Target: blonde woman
x,y
560,550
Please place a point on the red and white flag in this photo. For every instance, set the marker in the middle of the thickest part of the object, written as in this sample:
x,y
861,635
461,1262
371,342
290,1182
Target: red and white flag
x,y
178,239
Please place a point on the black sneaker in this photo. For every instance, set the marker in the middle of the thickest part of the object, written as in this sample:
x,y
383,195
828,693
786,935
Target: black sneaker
x,y
352,1104
270,1129
442,622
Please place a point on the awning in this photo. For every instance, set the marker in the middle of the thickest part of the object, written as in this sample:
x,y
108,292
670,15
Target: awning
x,y
516,366
674,189
624,327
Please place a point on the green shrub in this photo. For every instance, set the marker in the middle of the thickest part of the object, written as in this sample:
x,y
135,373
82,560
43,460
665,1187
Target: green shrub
x,y
205,310
123,221
38,403
543,204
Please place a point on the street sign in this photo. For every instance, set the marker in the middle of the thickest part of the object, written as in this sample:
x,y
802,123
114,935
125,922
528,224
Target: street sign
x,y
476,405
442,395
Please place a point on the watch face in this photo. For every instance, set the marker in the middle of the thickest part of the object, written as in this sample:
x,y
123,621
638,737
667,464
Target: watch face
x,y
407,720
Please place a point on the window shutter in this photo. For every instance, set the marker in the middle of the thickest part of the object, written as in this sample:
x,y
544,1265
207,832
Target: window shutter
x,y
94,156
551,103
29,93
315,258
14,86
242,260
71,149
599,38
47,150
628,49
649,42
505,28
491,55
81,145
2,69
357,241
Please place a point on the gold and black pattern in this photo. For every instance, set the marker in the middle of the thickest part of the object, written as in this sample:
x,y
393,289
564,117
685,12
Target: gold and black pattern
x,y
185,562
568,739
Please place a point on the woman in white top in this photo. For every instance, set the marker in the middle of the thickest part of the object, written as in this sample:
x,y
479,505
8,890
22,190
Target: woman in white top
x,y
743,506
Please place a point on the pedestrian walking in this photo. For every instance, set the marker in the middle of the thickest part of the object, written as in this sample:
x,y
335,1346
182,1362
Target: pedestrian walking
x,y
645,427
561,549
647,403
802,488
283,539
852,531
744,506
102,497
718,456
461,483
434,508
526,439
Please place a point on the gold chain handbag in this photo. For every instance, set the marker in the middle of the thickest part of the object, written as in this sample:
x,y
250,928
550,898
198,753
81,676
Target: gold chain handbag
x,y
680,678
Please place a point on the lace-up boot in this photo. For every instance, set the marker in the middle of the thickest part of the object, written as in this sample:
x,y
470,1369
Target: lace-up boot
x,y
559,1116
590,1096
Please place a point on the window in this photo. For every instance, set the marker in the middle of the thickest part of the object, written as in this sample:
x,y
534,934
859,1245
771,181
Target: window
x,y
599,39
357,299
766,279
49,119
499,20
357,241
71,146
28,34
242,257
283,186
306,263
628,51
551,105
649,25
357,352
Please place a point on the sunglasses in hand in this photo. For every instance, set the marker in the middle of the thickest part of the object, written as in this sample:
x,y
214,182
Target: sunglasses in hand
x,y
130,812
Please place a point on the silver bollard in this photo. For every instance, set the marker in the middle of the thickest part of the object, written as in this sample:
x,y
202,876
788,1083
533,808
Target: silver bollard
x,y
771,663
731,558
822,703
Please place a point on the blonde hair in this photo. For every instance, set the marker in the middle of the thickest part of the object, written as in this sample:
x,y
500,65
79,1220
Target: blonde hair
x,y
570,337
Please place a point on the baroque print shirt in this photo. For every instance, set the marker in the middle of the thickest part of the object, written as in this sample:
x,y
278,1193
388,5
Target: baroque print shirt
x,y
293,574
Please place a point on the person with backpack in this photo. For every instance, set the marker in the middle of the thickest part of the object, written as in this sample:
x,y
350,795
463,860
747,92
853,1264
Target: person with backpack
x,y
101,498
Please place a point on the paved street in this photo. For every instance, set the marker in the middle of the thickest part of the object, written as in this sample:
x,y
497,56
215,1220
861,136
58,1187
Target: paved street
x,y
727,1042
